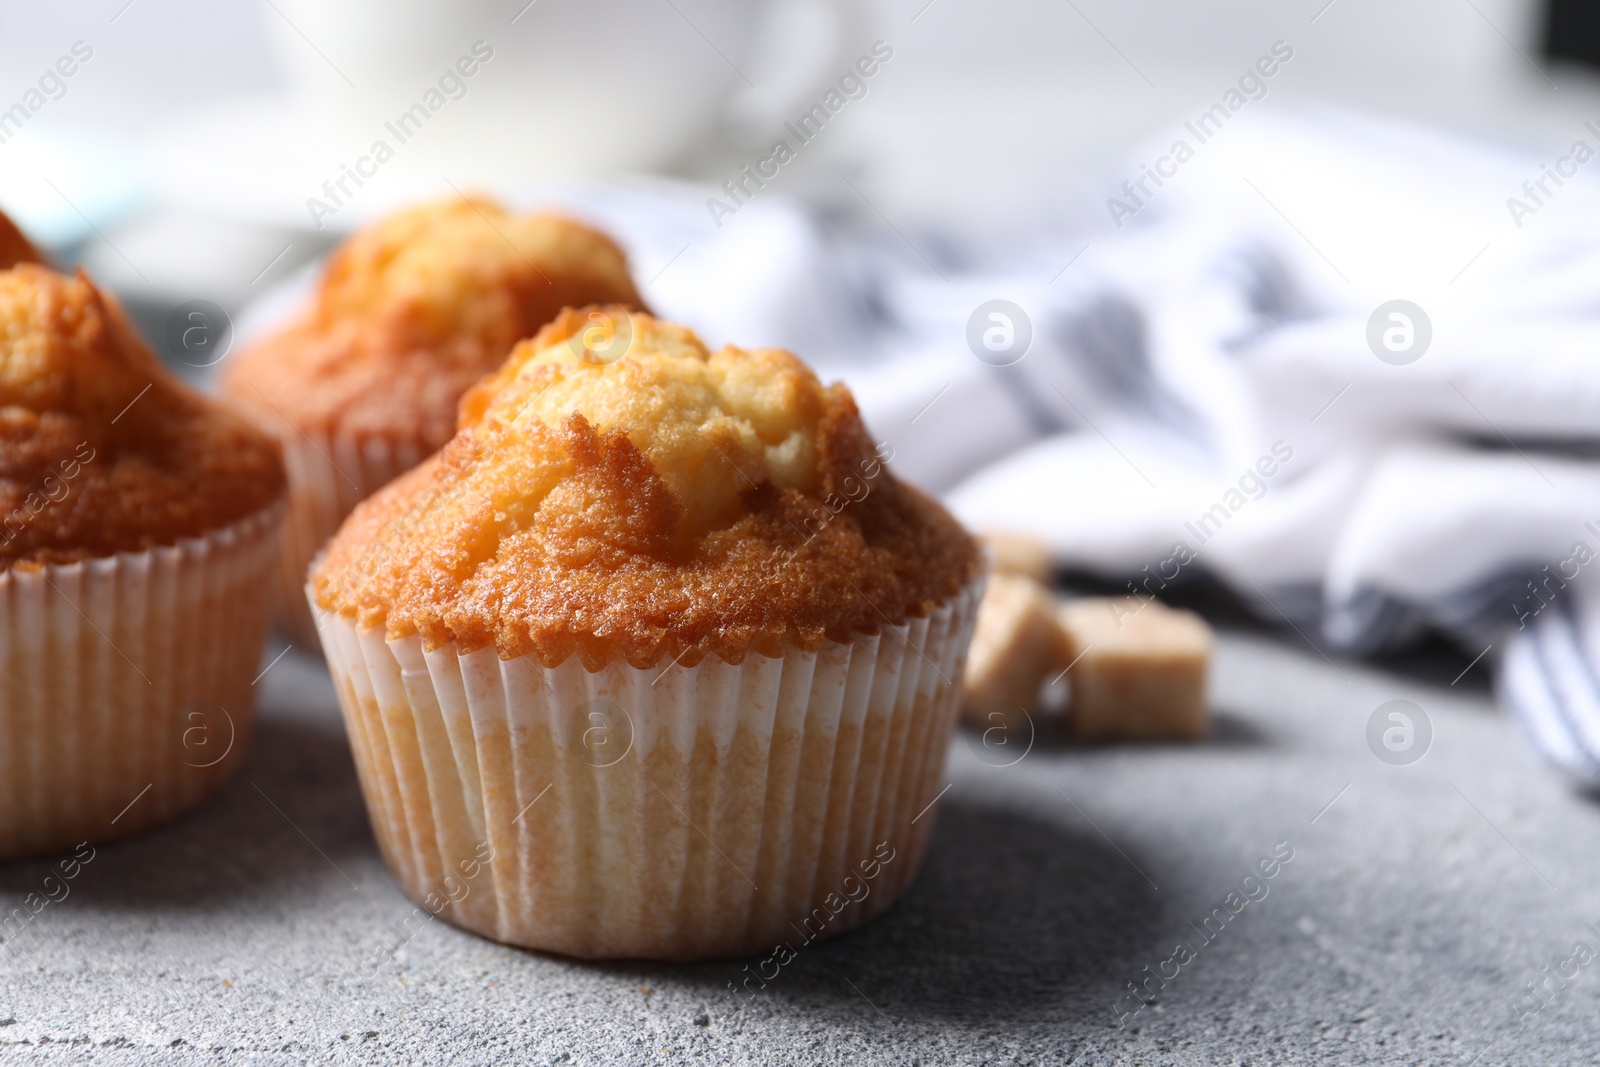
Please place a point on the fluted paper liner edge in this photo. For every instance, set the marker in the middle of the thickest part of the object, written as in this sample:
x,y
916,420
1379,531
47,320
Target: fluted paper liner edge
x,y
328,477
686,813
125,684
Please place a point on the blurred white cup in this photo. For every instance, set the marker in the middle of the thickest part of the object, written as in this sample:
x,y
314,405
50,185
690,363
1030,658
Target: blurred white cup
x,y
557,86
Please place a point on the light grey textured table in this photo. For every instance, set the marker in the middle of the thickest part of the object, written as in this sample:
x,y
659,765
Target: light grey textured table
x,y
1414,911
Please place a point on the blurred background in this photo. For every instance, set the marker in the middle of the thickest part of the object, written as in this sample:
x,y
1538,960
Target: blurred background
x,y
177,161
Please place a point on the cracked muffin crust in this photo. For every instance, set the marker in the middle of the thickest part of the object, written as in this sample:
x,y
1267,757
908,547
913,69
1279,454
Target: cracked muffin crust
x,y
415,309
101,450
409,314
665,505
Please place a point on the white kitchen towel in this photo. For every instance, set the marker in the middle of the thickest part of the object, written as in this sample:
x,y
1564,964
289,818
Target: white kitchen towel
x,y
1215,380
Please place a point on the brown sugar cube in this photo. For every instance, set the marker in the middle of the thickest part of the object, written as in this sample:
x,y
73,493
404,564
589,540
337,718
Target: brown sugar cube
x,y
1140,669
1016,642
1021,554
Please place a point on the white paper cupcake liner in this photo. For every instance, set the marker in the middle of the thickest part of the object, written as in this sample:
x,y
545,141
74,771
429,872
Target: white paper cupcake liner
x,y
328,477
125,684
686,813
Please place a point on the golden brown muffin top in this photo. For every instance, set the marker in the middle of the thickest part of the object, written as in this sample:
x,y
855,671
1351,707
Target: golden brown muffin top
x,y
618,491
101,450
415,309
15,248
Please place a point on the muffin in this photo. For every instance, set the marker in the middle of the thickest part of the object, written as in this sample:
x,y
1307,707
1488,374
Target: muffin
x,y
14,247
409,314
655,658
138,525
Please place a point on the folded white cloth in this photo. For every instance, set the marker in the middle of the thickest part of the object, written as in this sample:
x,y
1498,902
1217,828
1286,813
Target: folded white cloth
x,y
1201,393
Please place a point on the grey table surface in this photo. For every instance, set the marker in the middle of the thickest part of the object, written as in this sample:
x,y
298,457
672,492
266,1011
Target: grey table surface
x,y
1420,902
